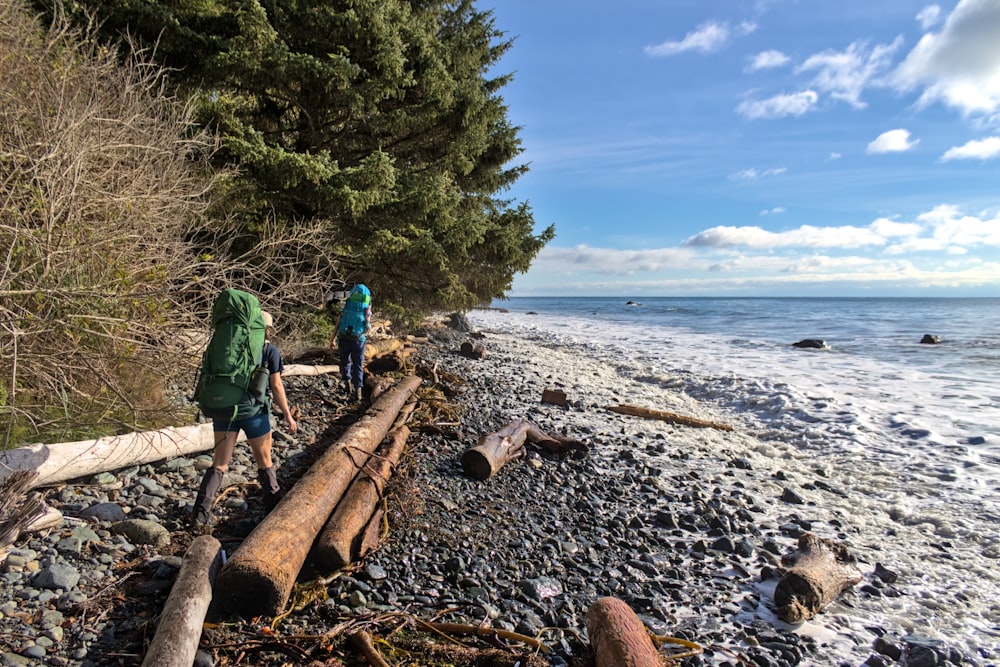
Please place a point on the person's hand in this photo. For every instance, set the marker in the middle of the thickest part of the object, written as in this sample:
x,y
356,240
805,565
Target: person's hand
x,y
293,426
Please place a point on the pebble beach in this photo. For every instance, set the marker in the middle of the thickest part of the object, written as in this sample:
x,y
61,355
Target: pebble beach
x,y
686,525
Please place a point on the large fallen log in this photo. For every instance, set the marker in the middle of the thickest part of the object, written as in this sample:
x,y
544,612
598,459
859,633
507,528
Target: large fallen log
x,y
259,576
617,636
307,369
71,460
662,415
339,543
495,450
179,629
817,573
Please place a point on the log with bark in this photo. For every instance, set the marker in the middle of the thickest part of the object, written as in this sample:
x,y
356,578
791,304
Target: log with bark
x,y
671,417
472,350
71,460
259,576
340,542
495,450
382,347
179,629
817,573
617,636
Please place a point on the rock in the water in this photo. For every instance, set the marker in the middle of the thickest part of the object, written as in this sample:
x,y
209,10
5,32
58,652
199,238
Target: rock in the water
x,y
930,339
814,343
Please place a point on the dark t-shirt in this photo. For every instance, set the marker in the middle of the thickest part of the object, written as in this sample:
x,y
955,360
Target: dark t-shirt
x,y
272,361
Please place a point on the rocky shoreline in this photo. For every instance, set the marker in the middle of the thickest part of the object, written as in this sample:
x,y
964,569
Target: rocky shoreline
x,y
680,523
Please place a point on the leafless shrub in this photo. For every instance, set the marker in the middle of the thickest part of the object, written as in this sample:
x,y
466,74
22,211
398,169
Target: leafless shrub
x,y
104,182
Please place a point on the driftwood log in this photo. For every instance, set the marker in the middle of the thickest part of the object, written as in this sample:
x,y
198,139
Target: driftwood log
x,y
472,350
617,636
341,539
179,628
71,460
671,417
817,572
495,450
382,347
259,576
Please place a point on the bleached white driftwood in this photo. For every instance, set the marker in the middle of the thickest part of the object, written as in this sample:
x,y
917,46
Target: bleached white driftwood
x,y
179,629
306,369
71,460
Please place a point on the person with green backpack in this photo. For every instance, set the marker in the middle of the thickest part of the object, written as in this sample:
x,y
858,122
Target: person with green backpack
x,y
352,328
241,370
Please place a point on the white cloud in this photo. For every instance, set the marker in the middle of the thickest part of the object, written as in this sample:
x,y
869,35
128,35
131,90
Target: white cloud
x,y
610,261
929,16
753,174
980,149
777,210
893,141
806,236
835,156
779,106
707,38
768,60
845,74
960,66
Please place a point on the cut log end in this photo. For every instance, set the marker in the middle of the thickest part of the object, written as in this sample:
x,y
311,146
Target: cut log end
x,y
476,465
617,636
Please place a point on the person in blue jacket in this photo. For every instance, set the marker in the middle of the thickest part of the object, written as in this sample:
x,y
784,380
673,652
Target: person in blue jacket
x,y
351,332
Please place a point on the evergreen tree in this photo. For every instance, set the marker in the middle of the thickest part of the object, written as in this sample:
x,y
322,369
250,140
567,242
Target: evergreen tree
x,y
378,116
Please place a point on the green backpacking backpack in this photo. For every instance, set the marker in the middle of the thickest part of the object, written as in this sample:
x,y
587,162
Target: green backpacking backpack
x,y
234,354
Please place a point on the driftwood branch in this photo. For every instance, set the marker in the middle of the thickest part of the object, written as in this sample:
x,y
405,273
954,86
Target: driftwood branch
x,y
671,417
818,572
179,629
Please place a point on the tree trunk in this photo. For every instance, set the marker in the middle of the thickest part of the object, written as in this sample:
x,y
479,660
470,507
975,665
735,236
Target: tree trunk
x,y
673,418
179,629
259,576
340,541
617,636
818,572
71,460
496,450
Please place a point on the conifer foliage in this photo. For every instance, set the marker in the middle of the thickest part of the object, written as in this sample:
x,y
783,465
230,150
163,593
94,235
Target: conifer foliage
x,y
382,119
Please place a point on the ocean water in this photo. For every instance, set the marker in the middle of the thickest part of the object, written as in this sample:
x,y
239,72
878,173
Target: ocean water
x,y
910,431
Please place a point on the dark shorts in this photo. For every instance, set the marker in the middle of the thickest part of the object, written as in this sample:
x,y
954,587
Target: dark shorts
x,y
254,427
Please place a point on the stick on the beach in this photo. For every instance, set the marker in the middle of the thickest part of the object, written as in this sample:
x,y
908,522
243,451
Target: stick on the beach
x,y
673,418
819,571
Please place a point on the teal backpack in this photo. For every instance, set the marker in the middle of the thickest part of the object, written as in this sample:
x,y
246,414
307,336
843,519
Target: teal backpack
x,y
226,386
352,318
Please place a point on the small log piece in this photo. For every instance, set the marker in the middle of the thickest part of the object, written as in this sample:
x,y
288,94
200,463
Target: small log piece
x,y
259,576
472,350
617,636
554,397
178,631
818,571
380,348
495,450
671,417
340,540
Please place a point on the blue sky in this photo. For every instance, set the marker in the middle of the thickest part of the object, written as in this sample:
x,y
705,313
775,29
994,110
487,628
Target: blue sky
x,y
758,148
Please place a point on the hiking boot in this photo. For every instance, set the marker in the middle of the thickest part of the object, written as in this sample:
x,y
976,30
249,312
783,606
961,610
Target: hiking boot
x,y
201,512
357,395
272,494
345,386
